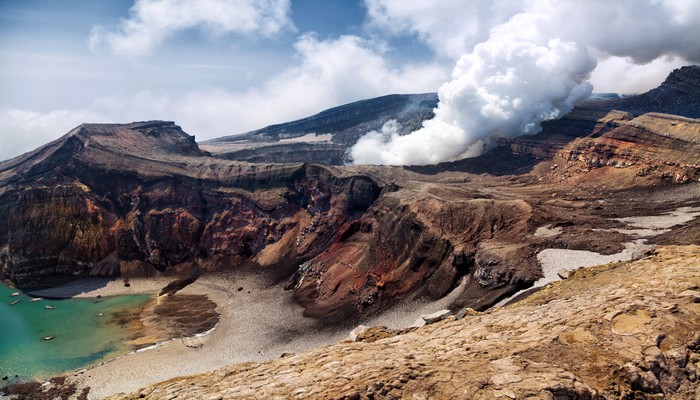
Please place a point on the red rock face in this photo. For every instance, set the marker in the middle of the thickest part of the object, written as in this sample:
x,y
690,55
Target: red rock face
x,y
57,230
410,240
70,206
94,203
142,198
658,145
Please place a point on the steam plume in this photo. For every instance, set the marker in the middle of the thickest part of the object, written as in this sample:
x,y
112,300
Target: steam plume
x,y
532,68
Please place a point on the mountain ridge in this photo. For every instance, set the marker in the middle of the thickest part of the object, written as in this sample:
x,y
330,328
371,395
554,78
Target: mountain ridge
x,y
677,95
351,242
142,198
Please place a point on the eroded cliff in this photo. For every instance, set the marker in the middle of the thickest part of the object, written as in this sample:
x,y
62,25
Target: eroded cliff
x,y
619,331
132,199
142,199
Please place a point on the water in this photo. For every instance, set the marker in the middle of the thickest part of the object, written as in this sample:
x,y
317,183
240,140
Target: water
x,y
81,336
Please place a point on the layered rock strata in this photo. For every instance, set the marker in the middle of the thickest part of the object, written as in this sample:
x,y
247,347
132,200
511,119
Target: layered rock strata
x,y
624,330
142,199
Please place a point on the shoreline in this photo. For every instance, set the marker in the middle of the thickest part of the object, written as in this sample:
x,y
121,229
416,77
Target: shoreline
x,y
56,336
246,331
259,323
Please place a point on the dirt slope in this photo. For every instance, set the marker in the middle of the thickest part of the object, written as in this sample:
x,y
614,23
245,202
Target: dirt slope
x,y
624,330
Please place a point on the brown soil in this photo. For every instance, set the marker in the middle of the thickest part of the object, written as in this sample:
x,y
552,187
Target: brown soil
x,y
623,330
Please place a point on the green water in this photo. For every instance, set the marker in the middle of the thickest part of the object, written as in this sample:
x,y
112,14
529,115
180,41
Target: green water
x,y
81,336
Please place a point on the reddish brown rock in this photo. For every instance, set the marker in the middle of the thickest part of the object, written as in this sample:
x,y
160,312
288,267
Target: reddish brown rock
x,y
624,330
143,199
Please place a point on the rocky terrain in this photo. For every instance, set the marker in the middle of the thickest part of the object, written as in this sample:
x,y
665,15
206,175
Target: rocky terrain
x,y
140,198
618,331
325,137
143,199
676,95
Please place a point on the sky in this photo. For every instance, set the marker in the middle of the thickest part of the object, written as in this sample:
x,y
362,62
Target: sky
x,y
222,67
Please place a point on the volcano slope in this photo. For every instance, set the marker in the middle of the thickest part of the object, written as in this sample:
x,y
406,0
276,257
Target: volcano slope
x,y
143,199
618,331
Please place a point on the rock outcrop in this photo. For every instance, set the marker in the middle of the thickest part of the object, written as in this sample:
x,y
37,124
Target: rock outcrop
x,y
344,125
137,198
298,141
423,236
619,331
142,199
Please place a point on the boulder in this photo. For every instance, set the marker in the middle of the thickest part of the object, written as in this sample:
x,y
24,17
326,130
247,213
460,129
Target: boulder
x,y
436,316
419,323
563,274
355,333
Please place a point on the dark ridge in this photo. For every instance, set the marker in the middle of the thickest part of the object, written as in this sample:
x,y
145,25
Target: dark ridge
x,y
679,94
322,153
341,119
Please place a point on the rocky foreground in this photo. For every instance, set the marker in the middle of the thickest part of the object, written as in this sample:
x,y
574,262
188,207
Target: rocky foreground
x,y
622,330
143,200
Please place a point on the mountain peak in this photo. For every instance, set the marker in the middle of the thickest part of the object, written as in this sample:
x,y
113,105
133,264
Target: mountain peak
x,y
687,76
95,144
679,94
143,138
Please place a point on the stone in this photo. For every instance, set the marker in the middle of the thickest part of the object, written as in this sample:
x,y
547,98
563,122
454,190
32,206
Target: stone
x,y
534,347
504,393
505,378
355,333
436,316
693,294
418,323
563,273
460,314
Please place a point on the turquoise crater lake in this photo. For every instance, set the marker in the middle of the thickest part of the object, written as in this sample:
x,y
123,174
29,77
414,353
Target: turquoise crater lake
x,y
82,332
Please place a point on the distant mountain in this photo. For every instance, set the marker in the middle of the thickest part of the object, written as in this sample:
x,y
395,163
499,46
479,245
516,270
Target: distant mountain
x,y
327,136
143,199
679,94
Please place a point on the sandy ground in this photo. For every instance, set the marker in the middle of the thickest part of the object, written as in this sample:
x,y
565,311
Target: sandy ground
x,y
259,322
554,260
665,221
405,313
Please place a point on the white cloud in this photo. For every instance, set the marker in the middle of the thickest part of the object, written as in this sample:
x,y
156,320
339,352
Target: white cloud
x,y
642,30
623,36
450,27
153,21
326,73
524,63
622,75
505,88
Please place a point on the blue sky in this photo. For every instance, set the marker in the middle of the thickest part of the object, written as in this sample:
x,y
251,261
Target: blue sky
x,y
45,52
220,67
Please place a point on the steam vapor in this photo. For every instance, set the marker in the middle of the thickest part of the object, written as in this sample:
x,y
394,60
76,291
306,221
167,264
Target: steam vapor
x,y
532,68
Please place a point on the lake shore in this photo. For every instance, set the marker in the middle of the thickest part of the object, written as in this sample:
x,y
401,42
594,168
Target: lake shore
x,y
258,321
